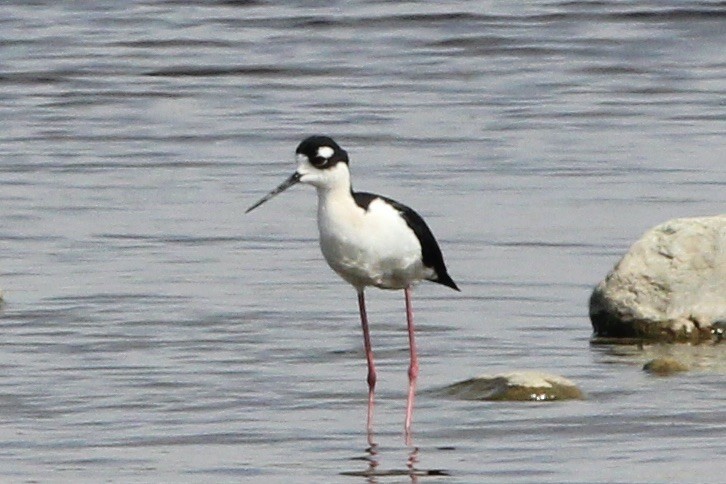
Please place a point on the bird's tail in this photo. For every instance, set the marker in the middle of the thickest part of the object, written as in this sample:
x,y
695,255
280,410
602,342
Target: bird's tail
x,y
446,280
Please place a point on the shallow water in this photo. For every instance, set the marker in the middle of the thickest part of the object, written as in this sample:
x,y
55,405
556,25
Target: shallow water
x,y
151,331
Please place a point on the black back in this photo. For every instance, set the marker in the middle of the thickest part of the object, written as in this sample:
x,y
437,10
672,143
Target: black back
x,y
430,251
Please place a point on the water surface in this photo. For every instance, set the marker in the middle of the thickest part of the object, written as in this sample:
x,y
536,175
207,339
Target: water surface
x,y
151,331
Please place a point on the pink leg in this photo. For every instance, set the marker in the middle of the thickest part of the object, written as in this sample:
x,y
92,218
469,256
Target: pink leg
x,y
369,358
413,367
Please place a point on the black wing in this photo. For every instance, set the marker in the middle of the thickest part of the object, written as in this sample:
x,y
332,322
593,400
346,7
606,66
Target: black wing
x,y
430,251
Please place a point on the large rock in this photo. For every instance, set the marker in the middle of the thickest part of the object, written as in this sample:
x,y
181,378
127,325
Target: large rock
x,y
670,285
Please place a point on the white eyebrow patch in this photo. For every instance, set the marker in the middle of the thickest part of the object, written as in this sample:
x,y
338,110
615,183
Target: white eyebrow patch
x,y
325,152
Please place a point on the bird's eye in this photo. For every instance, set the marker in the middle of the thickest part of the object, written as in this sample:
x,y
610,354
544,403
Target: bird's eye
x,y
322,156
317,161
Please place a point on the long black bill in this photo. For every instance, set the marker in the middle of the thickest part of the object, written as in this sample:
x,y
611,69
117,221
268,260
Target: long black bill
x,y
294,178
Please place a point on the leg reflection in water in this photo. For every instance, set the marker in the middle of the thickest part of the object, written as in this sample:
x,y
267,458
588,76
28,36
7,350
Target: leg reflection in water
x,y
373,471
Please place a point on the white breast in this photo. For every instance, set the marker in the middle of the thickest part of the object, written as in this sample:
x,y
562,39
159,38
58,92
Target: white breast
x,y
373,247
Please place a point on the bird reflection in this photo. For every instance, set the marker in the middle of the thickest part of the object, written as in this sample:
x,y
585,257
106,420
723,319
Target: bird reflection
x,y
372,459
411,464
373,473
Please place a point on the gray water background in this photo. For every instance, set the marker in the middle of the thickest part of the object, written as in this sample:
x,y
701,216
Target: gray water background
x,y
153,332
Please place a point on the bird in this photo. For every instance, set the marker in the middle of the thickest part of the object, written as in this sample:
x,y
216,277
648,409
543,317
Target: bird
x,y
370,241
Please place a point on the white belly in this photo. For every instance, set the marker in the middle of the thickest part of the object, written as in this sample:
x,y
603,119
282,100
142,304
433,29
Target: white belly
x,y
373,247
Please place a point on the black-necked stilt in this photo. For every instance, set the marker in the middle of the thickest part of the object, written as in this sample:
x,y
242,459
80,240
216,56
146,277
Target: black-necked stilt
x,y
368,240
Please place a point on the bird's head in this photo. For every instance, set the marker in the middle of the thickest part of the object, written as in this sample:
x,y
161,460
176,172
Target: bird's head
x,y
320,163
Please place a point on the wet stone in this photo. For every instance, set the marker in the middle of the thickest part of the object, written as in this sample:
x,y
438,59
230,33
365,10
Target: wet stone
x,y
665,366
516,386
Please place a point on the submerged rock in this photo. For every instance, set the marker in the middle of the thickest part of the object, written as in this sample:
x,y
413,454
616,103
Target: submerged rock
x,y
665,366
515,386
663,358
671,284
